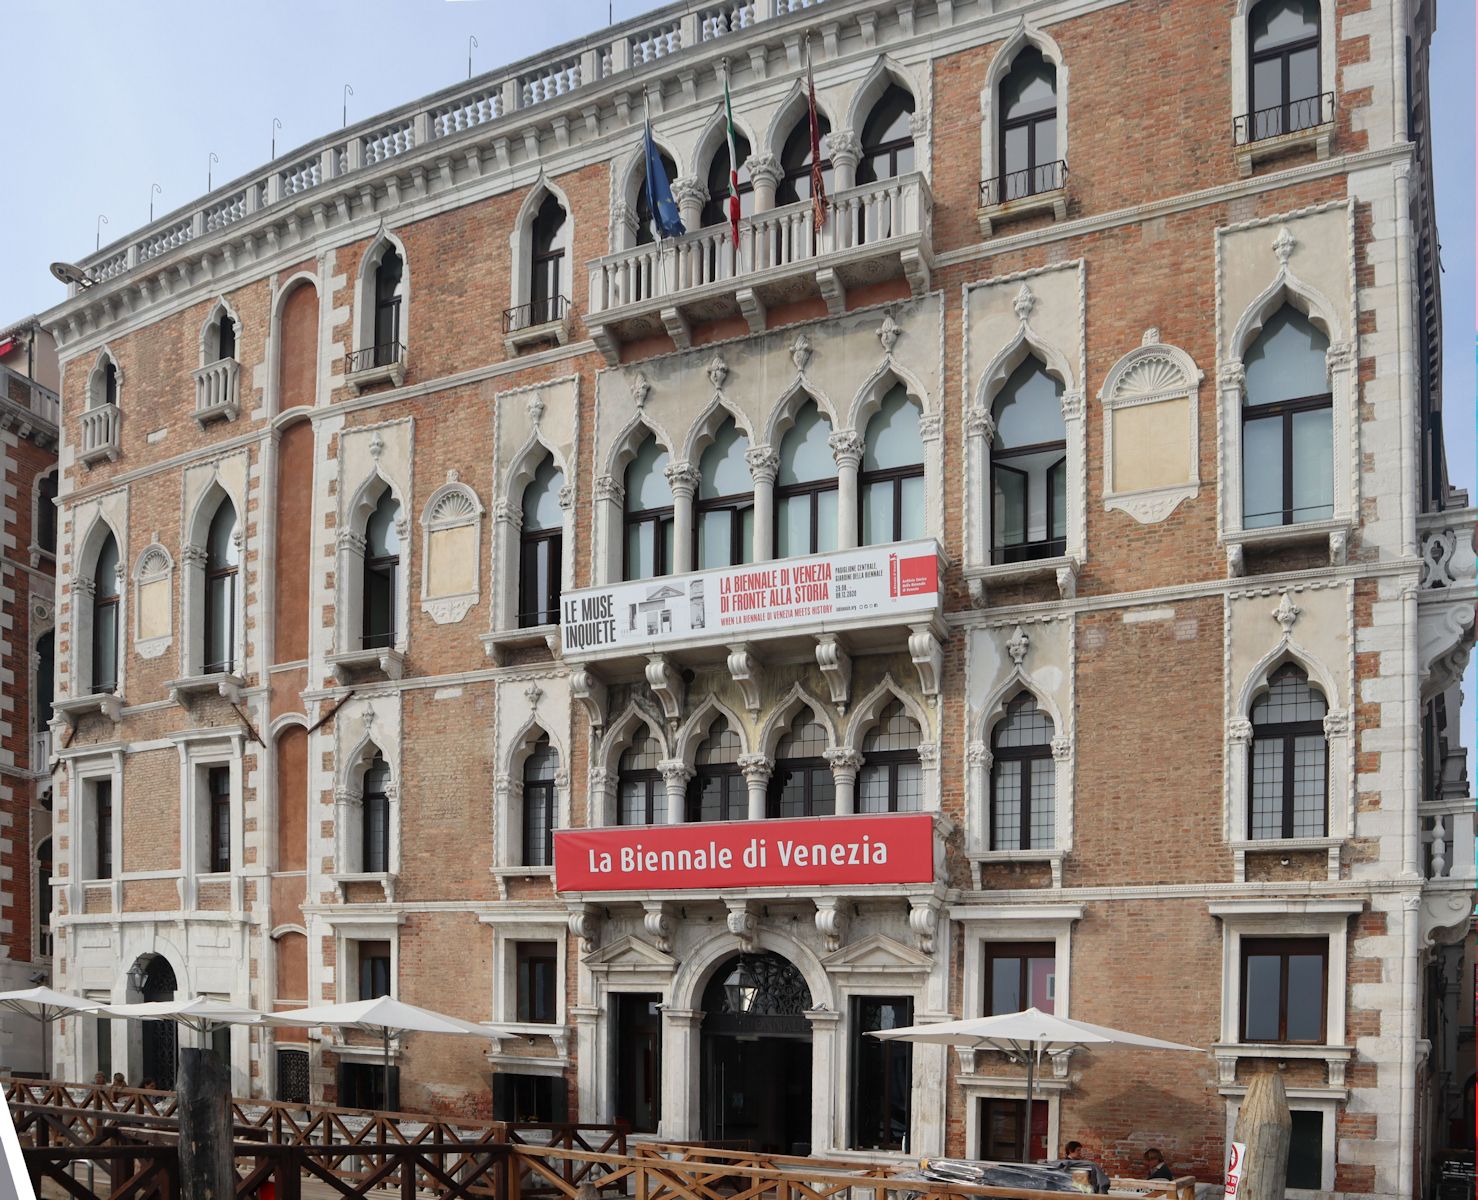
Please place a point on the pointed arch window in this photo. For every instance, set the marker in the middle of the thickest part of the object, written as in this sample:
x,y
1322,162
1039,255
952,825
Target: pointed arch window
x,y
547,263
806,487
387,307
641,795
45,682
717,791
375,828
104,389
887,137
1287,425
220,337
716,207
892,776
801,785
1289,784
1029,467
222,570
541,542
46,513
539,771
1283,67
646,223
105,598
723,514
1023,778
891,485
648,517
1028,140
795,162
381,572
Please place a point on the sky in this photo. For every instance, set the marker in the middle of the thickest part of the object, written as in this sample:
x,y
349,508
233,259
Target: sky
x,y
107,98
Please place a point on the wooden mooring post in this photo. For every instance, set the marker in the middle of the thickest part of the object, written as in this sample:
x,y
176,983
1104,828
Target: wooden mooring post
x,y
1265,1128
203,1087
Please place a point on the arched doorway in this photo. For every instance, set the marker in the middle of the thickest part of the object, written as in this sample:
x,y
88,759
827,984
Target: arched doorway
x,y
160,1038
756,1072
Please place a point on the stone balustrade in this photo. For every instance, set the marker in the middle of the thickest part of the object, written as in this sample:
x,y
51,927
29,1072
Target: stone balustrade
x,y
100,433
216,391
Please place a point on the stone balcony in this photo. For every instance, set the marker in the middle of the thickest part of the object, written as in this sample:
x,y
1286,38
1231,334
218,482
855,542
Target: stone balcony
x,y
873,233
216,392
101,427
29,408
1448,595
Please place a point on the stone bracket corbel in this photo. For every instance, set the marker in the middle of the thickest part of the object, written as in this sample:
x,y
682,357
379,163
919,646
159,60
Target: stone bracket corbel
x,y
833,920
677,328
833,291
753,309
666,682
591,694
743,922
584,923
927,651
923,920
836,668
657,919
744,668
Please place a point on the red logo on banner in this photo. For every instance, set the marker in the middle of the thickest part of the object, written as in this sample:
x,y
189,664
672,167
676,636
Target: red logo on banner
x,y
916,576
808,852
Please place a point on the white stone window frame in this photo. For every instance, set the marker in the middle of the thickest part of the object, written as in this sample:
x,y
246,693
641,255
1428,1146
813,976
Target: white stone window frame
x,y
701,435
608,544
1152,373
521,242
1338,735
846,452
349,929
154,565
890,372
364,292
1318,1100
96,387
979,761
604,777
508,531
846,142
349,818
454,505
509,929
83,591
201,750
84,770
1241,53
1343,364
1027,33
861,721
193,598
627,176
349,573
1284,918
508,797
210,328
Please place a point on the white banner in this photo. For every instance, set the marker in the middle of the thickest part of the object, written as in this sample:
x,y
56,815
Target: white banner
x,y
1236,1170
732,603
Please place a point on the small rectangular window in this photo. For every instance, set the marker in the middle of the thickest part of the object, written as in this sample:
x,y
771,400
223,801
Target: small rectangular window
x,y
537,1099
374,970
105,1046
537,981
1284,993
1020,975
1000,1130
218,818
102,824
362,1085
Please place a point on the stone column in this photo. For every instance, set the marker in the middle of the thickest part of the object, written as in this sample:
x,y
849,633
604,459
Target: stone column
x,y
845,762
764,464
846,151
675,776
846,448
757,768
691,196
680,1099
682,478
764,173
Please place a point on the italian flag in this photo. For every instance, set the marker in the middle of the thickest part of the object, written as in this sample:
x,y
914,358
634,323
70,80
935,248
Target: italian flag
x,y
733,166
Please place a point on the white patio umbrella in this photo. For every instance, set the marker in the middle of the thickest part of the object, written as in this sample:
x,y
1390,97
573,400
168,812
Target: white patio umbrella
x,y
1025,1035
44,1005
202,1014
382,1016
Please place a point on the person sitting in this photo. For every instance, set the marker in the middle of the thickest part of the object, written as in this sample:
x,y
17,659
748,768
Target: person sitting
x,y
118,1080
1073,1150
99,1080
1155,1164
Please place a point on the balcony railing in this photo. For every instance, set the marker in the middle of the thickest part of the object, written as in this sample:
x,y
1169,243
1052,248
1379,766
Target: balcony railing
x,y
535,313
1296,115
1447,830
1019,185
216,395
26,395
387,354
770,241
1448,559
100,430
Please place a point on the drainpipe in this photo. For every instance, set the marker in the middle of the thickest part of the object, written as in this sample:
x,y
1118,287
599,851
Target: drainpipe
x,y
1410,1000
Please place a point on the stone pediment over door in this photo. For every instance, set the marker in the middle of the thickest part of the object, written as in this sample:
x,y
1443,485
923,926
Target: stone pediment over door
x,y
630,956
878,955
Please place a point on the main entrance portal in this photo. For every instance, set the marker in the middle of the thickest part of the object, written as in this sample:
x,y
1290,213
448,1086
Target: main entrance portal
x,y
756,1081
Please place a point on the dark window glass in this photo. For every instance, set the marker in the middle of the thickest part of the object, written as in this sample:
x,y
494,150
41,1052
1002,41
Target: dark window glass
x,y
537,1099
1023,778
381,572
43,898
46,513
387,307
537,981
1000,1130
104,1047
45,684
890,491
1306,1150
226,338
222,565
110,384
795,161
539,771
801,785
218,785
636,1056
648,523
1288,783
646,223
641,796
541,542
1020,975
1028,467
716,207
806,487
887,137
891,779
105,618
102,825
717,790
374,970
723,513
375,850
882,1074
1283,989
1028,127
546,274
1287,425
362,1085
1283,44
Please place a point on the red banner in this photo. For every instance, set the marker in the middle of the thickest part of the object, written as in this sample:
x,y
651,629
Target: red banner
x,y
802,852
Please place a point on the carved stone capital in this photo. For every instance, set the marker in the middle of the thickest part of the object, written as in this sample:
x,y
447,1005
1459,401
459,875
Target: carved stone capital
x,y
505,512
567,497
687,190
683,479
675,771
195,556
764,463
844,761
978,754
1232,375
846,448
348,539
1239,731
1336,723
1062,748
1072,406
764,168
846,148
348,795
756,767
608,487
981,424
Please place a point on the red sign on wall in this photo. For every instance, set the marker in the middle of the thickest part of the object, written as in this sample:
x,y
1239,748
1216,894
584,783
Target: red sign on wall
x,y
802,852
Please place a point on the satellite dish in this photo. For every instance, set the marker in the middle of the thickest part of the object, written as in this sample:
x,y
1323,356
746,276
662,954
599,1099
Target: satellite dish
x,y
67,273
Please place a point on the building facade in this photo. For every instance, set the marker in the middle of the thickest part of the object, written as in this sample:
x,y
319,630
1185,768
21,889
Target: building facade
x,y
1076,485
29,416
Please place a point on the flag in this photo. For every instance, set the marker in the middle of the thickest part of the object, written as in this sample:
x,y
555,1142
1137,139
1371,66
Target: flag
x,y
733,164
818,184
659,191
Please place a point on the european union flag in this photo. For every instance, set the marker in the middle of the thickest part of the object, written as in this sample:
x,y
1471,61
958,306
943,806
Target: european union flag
x,y
659,191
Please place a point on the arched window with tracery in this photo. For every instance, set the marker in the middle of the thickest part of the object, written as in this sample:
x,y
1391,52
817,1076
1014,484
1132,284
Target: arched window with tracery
x,y
105,597
717,790
802,785
892,777
375,829
1027,146
540,769
648,515
387,297
887,137
640,793
890,488
222,580
1288,787
381,573
723,513
1028,466
1283,67
806,487
547,262
1023,778
795,161
541,544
